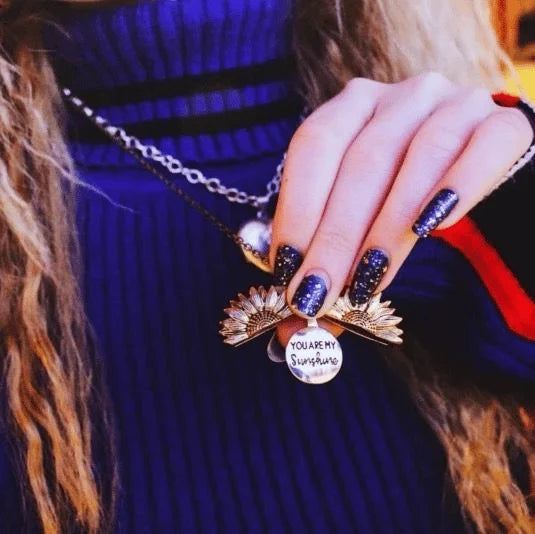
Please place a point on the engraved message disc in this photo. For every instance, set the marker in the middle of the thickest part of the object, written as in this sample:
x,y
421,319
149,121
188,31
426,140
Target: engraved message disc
x,y
314,355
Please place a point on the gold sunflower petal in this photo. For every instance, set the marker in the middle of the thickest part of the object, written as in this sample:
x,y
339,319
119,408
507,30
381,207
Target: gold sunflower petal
x,y
246,304
374,303
335,314
341,307
374,317
232,323
227,333
390,320
252,316
271,298
281,303
236,338
338,308
256,298
389,335
286,312
393,329
238,314
386,312
343,301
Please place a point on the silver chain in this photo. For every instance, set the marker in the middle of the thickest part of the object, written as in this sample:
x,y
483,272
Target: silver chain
x,y
175,166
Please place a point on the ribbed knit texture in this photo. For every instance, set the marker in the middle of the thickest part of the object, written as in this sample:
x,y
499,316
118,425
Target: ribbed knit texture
x,y
213,438
152,62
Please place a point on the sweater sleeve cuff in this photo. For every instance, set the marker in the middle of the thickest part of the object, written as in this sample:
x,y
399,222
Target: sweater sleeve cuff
x,y
528,108
496,236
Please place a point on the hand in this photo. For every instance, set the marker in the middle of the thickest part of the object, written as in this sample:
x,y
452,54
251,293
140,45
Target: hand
x,y
362,168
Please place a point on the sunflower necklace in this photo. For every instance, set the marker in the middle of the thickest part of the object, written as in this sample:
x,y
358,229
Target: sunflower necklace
x,y
313,354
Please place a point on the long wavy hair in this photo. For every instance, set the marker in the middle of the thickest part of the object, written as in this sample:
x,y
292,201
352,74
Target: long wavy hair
x,y
53,395
51,379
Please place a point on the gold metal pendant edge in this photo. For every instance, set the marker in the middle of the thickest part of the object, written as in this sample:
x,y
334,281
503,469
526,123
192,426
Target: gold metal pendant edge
x,y
263,309
253,315
374,317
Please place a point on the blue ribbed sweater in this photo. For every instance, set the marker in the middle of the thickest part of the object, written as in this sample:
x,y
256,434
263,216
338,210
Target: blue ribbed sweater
x,y
212,438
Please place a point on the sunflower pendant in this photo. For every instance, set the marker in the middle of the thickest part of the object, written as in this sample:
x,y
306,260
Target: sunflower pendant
x,y
313,354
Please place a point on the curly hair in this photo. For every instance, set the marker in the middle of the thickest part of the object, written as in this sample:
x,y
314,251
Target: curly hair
x,y
51,382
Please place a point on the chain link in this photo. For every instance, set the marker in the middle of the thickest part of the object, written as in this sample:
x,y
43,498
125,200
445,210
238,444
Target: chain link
x,y
174,165
144,154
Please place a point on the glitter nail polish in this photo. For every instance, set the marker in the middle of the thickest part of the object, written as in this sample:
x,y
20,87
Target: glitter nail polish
x,y
310,295
287,261
368,275
435,212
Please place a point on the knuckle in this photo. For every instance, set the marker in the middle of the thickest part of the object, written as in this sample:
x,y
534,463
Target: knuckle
x,y
430,81
476,97
440,143
362,93
336,241
374,155
358,85
314,130
398,218
400,215
512,123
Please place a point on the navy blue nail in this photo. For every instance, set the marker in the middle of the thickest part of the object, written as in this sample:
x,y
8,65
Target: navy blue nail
x,y
368,275
435,212
287,261
310,295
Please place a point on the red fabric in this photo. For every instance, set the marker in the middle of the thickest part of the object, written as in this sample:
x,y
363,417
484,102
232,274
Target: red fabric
x,y
517,308
505,99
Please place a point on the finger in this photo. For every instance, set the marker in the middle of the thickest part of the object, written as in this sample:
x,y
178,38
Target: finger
x,y
363,181
494,146
438,143
312,162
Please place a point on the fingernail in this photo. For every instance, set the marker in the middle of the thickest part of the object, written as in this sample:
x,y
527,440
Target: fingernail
x,y
368,275
435,212
310,294
275,351
287,261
